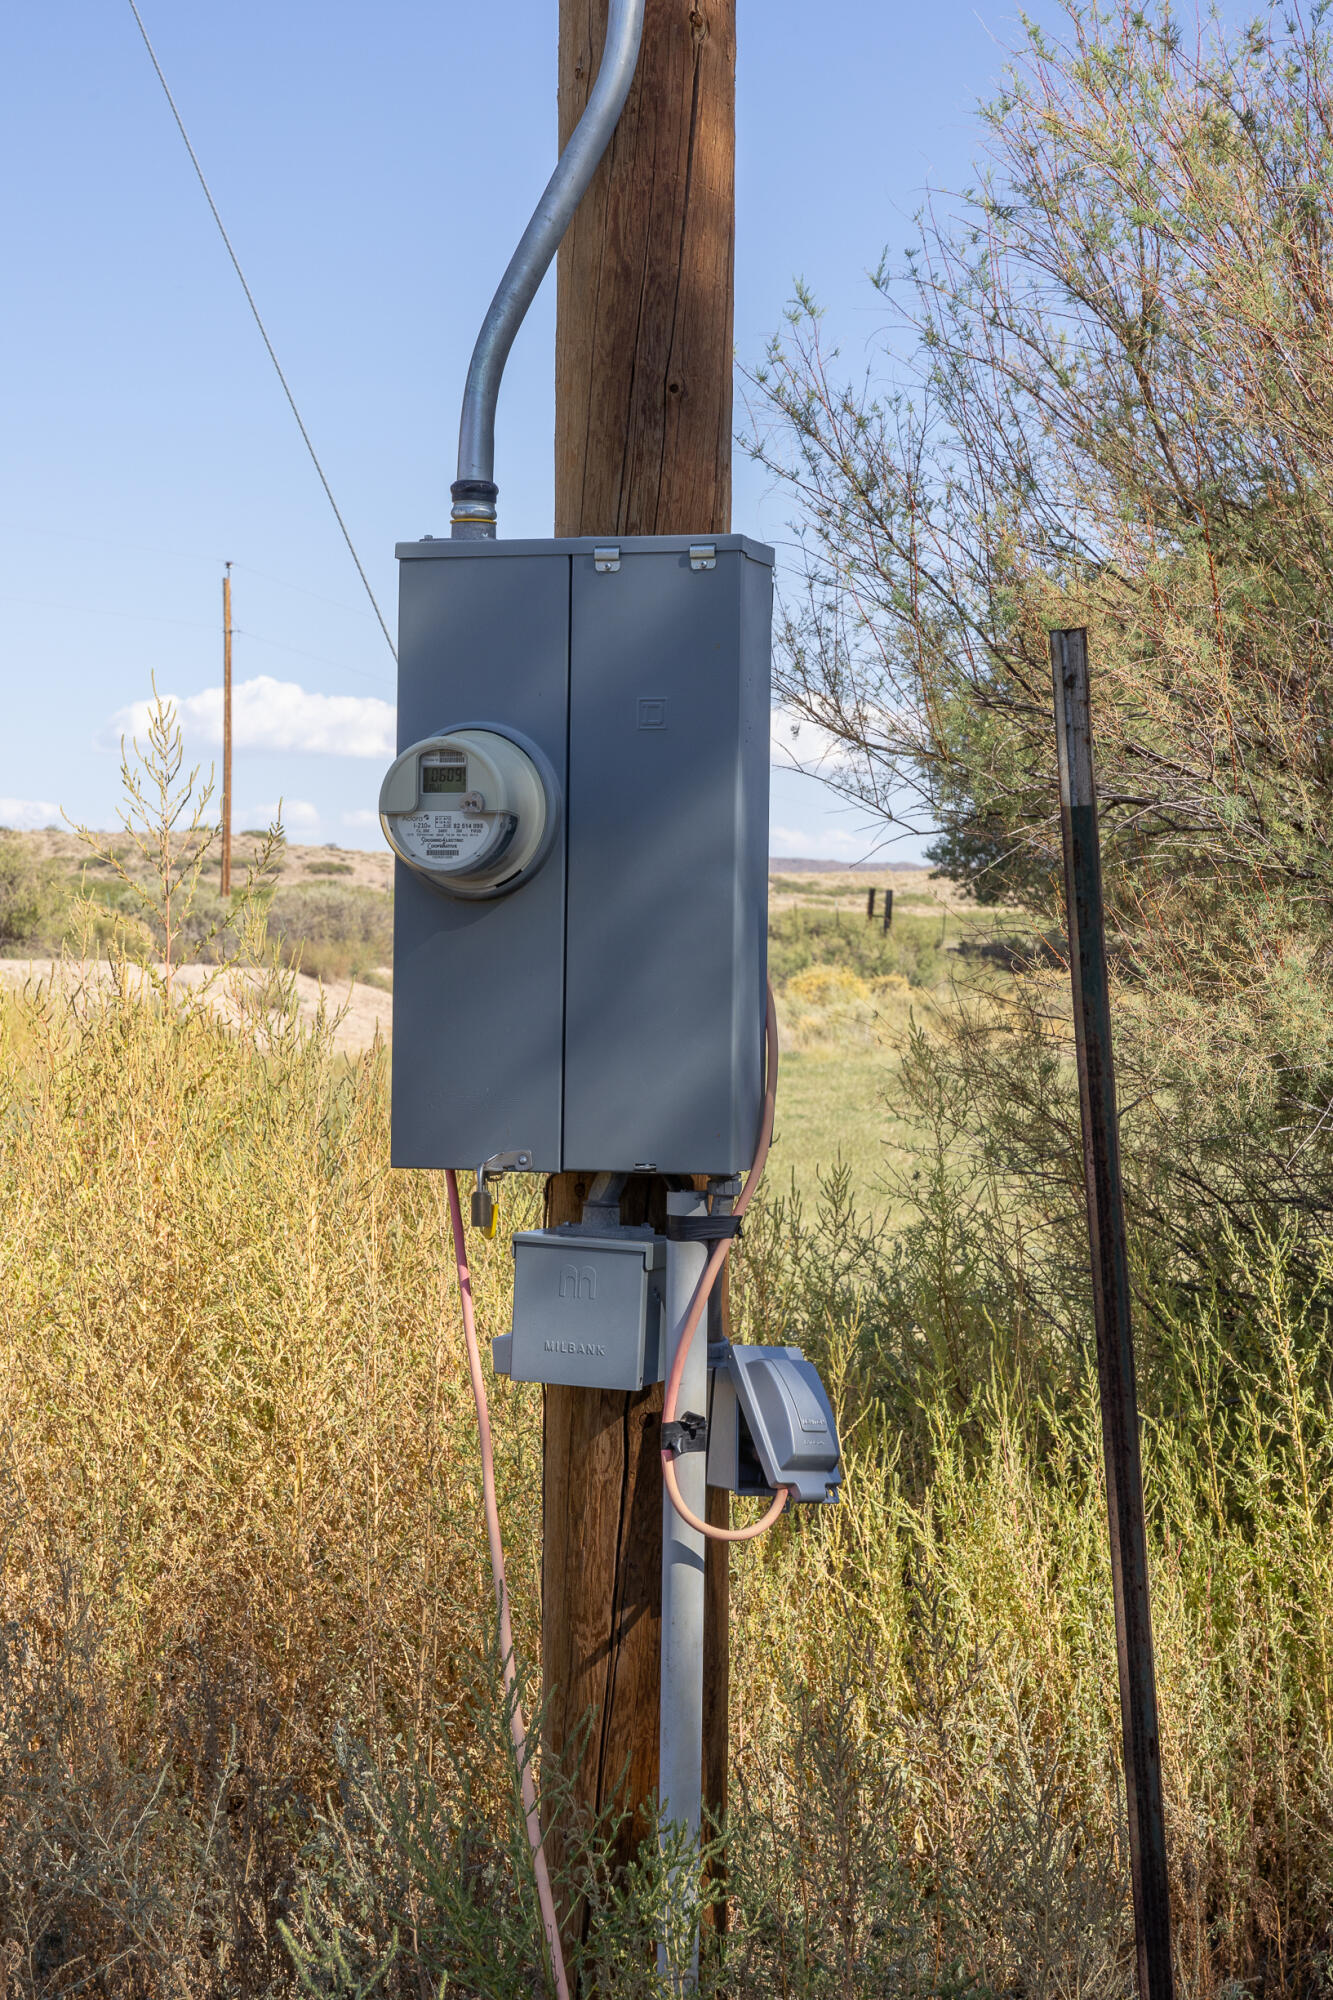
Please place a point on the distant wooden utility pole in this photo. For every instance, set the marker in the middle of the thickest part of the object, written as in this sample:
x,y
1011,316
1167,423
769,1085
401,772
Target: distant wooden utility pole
x,y
643,424
226,731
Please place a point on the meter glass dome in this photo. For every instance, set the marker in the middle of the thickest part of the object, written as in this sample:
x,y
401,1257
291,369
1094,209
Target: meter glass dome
x,y
469,810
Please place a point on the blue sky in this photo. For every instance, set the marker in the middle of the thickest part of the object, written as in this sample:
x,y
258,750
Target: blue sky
x,y
374,166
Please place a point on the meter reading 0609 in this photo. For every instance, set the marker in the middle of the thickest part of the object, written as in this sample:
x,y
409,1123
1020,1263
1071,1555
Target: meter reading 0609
x,y
469,810
442,776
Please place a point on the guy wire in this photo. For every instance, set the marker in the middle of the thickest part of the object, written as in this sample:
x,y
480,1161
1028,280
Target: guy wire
x,y
263,330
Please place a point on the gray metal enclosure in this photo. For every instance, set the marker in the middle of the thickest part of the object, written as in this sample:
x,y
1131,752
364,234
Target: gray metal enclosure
x,y
606,1014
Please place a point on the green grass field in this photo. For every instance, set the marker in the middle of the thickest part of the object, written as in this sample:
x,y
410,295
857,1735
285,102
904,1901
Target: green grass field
x,y
847,994
840,1107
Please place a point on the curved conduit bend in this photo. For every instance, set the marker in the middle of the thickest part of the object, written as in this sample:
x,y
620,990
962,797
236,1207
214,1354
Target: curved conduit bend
x,y
474,491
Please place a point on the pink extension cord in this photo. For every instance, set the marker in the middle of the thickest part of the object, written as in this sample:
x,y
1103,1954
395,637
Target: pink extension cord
x,y
716,1259
516,1725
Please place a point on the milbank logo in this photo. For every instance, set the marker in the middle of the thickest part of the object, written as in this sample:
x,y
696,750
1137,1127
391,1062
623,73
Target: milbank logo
x,y
578,1283
589,1347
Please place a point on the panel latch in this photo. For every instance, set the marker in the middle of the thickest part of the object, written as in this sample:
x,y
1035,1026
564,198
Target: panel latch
x,y
483,1201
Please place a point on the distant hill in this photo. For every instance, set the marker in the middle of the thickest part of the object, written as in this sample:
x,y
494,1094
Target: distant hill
x,y
782,864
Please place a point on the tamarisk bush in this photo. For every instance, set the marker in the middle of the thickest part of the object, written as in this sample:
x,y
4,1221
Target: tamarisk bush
x,y
1106,401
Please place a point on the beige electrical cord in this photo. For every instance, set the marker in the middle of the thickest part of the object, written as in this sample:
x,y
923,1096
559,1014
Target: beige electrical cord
x,y
717,1257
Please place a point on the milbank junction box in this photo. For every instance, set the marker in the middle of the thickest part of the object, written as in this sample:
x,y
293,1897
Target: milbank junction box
x,y
603,1009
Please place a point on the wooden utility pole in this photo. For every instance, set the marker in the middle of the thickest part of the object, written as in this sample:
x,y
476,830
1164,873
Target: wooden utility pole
x,y
643,424
226,731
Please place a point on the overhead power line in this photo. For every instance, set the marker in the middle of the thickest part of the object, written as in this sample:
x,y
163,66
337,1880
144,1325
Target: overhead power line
x,y
263,330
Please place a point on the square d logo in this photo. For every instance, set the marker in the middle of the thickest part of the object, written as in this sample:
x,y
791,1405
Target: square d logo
x,y
652,711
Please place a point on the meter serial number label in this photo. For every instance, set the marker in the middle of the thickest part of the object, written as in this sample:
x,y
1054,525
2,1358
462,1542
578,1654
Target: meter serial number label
x,y
454,841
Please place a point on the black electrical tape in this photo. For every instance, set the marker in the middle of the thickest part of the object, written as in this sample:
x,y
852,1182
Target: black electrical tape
x,y
474,489
703,1228
688,1433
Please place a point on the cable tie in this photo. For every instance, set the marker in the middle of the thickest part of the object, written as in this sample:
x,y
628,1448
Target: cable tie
x,y
688,1433
703,1228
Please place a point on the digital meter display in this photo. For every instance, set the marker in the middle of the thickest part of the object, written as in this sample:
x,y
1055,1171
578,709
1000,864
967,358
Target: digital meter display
x,y
443,777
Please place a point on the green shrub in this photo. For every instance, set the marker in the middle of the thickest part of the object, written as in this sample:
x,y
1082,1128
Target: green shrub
x,y
799,939
32,899
331,929
1105,404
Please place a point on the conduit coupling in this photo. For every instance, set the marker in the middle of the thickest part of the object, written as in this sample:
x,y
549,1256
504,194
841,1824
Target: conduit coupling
x,y
474,490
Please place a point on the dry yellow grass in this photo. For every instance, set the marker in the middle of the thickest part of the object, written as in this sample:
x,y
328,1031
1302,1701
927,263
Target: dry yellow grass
x,y
244,1600
241,1530
230,1369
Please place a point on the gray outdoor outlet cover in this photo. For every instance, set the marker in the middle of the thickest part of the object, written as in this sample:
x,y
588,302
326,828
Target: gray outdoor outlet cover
x,y
788,1418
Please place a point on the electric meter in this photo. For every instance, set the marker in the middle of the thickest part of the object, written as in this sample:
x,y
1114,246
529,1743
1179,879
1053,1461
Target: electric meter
x,y
471,810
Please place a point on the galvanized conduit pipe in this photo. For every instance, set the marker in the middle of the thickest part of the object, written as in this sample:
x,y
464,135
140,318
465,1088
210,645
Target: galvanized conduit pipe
x,y
681,1723
474,491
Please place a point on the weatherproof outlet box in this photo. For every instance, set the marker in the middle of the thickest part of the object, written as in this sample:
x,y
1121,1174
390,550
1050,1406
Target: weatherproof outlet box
x,y
733,1462
587,1308
769,1408
605,1014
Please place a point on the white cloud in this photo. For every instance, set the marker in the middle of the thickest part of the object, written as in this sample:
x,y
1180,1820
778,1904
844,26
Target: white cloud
x,y
363,816
26,815
829,844
796,742
272,715
297,815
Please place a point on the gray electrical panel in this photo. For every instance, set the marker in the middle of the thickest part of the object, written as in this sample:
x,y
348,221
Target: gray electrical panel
x,y
605,1014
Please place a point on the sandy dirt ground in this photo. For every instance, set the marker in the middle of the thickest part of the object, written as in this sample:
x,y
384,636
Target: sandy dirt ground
x,y
360,1012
